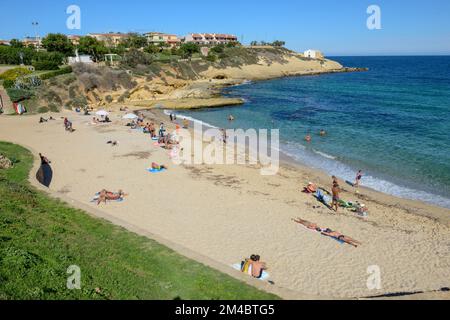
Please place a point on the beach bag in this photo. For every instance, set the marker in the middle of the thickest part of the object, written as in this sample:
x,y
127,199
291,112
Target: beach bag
x,y
245,266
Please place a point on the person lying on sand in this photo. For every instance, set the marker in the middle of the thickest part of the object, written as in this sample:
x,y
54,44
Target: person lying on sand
x,y
328,232
109,195
339,236
42,120
310,188
158,167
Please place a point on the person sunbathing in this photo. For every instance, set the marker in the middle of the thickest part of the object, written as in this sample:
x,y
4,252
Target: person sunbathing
x,y
339,236
158,167
109,195
311,188
328,232
309,225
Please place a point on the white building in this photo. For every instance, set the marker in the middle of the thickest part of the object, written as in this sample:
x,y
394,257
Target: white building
x,y
313,54
84,58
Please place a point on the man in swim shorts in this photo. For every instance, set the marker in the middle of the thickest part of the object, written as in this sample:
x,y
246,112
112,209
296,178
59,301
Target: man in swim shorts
x,y
257,266
336,190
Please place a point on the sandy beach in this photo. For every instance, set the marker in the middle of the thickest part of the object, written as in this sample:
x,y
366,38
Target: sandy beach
x,y
228,212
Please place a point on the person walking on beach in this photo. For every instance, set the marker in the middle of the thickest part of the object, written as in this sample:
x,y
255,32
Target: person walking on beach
x,y
359,176
224,136
185,123
336,190
161,130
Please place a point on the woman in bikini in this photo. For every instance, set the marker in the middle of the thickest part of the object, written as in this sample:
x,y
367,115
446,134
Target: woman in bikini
x,y
328,232
109,195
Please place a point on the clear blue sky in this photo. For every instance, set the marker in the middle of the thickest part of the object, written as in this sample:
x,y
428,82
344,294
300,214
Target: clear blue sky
x,y
337,27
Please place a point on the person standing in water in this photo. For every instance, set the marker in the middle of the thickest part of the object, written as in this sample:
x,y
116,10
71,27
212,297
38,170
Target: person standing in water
x,y
359,176
308,138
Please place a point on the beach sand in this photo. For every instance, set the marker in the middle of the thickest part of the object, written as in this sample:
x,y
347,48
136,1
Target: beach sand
x,y
226,213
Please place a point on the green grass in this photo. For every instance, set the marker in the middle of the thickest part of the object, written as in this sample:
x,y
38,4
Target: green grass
x,y
41,237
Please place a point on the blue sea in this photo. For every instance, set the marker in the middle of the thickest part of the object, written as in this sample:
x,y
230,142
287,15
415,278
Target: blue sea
x,y
393,122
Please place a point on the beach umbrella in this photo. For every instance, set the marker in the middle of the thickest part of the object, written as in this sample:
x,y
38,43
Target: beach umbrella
x,y
130,116
102,113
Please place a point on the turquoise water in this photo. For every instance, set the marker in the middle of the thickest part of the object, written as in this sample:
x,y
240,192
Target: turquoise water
x,y
393,122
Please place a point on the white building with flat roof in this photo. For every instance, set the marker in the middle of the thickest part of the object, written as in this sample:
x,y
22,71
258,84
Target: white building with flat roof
x,y
313,54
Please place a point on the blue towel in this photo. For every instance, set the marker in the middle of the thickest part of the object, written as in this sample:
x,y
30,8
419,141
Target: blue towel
x,y
151,170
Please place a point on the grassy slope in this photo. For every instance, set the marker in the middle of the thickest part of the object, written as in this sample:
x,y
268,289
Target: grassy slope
x,y
41,237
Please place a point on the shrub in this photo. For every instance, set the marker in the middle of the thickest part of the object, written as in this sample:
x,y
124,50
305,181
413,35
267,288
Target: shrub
x,y
17,95
15,73
45,65
64,70
135,57
8,83
43,110
211,57
48,60
53,107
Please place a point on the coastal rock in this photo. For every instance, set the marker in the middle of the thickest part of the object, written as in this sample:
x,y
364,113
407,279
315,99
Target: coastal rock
x,y
5,163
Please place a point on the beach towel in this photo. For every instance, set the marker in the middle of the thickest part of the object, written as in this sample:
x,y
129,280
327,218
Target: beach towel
x,y
151,170
265,275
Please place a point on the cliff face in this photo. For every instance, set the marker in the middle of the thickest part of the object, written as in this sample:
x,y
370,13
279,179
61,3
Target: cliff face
x,y
273,63
196,79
